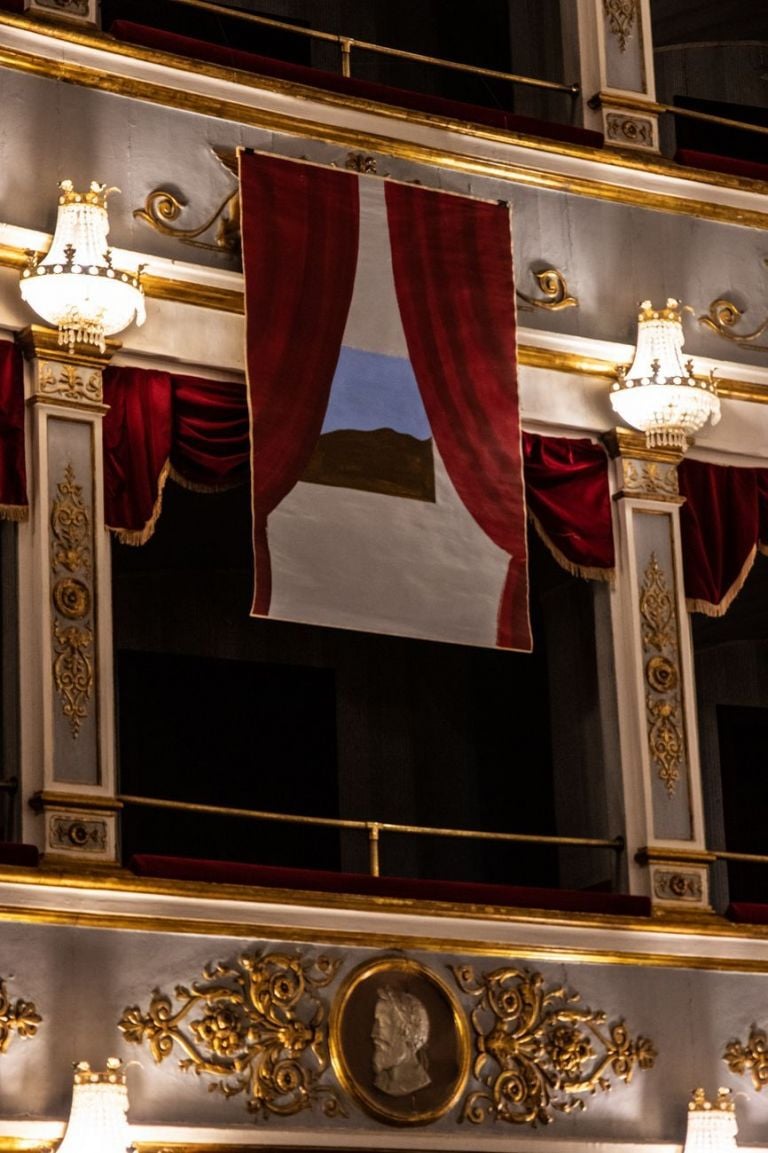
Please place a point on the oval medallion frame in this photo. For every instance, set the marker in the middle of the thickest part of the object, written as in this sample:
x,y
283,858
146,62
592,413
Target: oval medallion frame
x,y
443,1059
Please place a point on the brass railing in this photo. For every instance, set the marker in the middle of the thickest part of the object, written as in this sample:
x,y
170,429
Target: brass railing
x,y
374,829
347,43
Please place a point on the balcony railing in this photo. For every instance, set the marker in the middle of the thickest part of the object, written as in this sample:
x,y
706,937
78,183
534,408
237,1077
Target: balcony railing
x,y
375,829
347,44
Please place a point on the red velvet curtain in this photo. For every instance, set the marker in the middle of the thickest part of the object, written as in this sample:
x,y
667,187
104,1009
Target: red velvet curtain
x,y
566,486
453,277
723,520
161,423
137,434
13,472
300,226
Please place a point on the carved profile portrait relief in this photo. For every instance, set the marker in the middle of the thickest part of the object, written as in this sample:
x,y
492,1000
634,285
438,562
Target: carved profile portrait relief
x,y
399,1041
400,1033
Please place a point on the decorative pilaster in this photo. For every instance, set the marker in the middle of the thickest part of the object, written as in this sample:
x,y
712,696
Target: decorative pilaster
x,y
67,738
615,55
654,673
84,12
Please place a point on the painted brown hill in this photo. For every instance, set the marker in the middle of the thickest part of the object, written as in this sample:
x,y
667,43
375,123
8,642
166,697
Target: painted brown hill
x,y
380,460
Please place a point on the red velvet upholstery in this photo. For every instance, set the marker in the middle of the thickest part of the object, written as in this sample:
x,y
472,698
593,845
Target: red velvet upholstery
x,y
730,164
748,913
331,82
323,881
13,853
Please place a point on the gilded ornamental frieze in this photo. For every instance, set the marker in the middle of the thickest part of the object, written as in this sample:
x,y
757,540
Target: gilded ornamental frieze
x,y
538,1050
289,1031
666,742
255,1027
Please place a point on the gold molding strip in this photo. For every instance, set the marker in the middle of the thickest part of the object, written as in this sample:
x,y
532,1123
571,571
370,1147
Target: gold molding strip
x,y
90,77
199,295
693,923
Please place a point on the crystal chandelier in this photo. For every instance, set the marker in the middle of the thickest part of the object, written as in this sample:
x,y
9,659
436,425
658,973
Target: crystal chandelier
x,y
658,393
711,1124
74,287
97,1120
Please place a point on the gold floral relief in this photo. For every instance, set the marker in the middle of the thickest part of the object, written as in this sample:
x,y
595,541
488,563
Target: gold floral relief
x,y
749,1058
256,1026
538,1051
650,476
666,742
621,19
18,1017
71,596
70,382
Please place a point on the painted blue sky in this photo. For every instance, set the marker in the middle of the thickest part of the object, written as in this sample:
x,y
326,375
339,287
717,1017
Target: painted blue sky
x,y
372,391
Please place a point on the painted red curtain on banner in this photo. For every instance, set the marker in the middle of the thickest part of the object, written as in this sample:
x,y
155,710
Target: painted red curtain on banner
x,y
453,276
300,226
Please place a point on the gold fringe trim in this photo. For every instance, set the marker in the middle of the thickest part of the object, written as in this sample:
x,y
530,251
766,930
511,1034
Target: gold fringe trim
x,y
139,536
14,512
193,486
584,571
710,610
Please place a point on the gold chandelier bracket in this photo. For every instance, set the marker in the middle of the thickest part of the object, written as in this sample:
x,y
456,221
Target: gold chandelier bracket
x,y
162,208
722,318
555,289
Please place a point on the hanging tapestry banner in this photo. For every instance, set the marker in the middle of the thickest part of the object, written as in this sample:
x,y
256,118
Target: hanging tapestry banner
x,y
387,490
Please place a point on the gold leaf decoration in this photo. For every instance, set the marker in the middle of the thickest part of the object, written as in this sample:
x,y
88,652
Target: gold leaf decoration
x,y
71,383
538,1051
621,18
256,1026
666,742
73,670
70,525
750,1058
20,1017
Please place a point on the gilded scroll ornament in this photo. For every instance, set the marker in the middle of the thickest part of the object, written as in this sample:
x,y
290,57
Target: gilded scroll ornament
x,y
69,382
162,208
555,288
636,131
750,1058
677,886
722,318
256,1026
70,525
73,668
621,18
666,742
73,671
20,1017
650,476
538,1051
